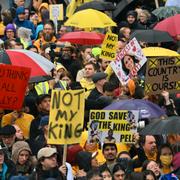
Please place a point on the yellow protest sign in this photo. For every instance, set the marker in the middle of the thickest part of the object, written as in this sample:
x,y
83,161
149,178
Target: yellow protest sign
x,y
109,46
56,12
66,116
112,126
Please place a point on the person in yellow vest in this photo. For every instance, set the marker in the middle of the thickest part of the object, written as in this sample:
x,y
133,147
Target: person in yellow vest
x,y
47,36
19,118
87,82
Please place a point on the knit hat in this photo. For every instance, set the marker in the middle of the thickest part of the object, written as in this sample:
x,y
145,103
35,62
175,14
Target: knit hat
x,y
8,130
20,10
17,148
10,27
132,13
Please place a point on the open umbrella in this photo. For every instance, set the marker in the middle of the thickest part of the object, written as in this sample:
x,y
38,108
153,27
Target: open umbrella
x,y
90,18
170,125
83,38
146,108
158,51
40,66
165,12
170,25
98,5
151,36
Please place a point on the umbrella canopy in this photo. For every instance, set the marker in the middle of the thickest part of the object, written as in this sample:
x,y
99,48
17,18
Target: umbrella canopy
x,y
146,108
170,125
98,5
170,25
165,12
40,66
158,51
151,36
83,38
90,18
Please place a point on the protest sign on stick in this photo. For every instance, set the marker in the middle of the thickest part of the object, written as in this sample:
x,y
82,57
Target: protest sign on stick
x,y
129,61
66,116
162,74
109,46
112,126
13,84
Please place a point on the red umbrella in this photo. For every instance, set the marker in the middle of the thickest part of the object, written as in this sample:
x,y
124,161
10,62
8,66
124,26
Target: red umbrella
x,y
83,38
40,66
170,25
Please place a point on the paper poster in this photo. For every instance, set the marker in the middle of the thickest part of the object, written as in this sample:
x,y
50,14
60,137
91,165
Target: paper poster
x,y
109,47
162,74
13,84
129,61
66,116
113,126
56,12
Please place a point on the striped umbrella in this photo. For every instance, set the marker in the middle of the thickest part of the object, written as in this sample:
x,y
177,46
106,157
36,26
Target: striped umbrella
x,y
40,66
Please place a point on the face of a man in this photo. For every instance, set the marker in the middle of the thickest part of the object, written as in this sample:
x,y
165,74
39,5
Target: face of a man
x,y
49,162
89,70
131,19
8,140
45,104
20,3
110,153
150,145
21,17
104,64
48,32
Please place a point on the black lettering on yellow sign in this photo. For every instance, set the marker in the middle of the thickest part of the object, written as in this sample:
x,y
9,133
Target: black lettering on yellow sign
x,y
112,38
97,115
118,115
109,46
109,54
104,124
126,138
121,127
69,131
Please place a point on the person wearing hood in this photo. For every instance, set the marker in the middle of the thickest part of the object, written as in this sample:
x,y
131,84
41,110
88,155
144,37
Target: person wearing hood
x,y
10,33
21,156
20,21
131,21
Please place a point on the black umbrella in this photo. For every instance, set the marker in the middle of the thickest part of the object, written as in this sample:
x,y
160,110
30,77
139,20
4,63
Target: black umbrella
x,y
151,36
98,5
170,125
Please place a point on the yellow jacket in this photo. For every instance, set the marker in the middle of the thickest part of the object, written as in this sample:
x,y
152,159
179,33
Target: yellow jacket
x,y
2,28
23,122
45,6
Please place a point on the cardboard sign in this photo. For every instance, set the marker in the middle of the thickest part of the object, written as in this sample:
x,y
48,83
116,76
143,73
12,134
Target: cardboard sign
x,y
56,12
13,84
162,74
109,47
66,116
112,126
129,61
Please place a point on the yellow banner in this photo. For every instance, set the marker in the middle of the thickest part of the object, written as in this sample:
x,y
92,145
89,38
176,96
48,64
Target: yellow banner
x,y
56,12
112,126
109,47
66,116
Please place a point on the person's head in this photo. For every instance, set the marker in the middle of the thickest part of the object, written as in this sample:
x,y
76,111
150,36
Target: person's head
x,y
108,89
94,175
149,144
62,30
125,31
20,13
19,132
104,64
32,48
165,155
106,174
131,17
124,155
110,133
2,154
67,51
118,172
66,76
90,69
149,175
9,44
27,13
85,52
36,4
120,46
128,63
48,31
43,103
21,152
8,134
18,45
99,78
19,2
47,157
144,15
10,31
109,151
151,165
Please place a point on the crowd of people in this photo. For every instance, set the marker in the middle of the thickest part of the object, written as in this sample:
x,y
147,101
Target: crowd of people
x,y
24,151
